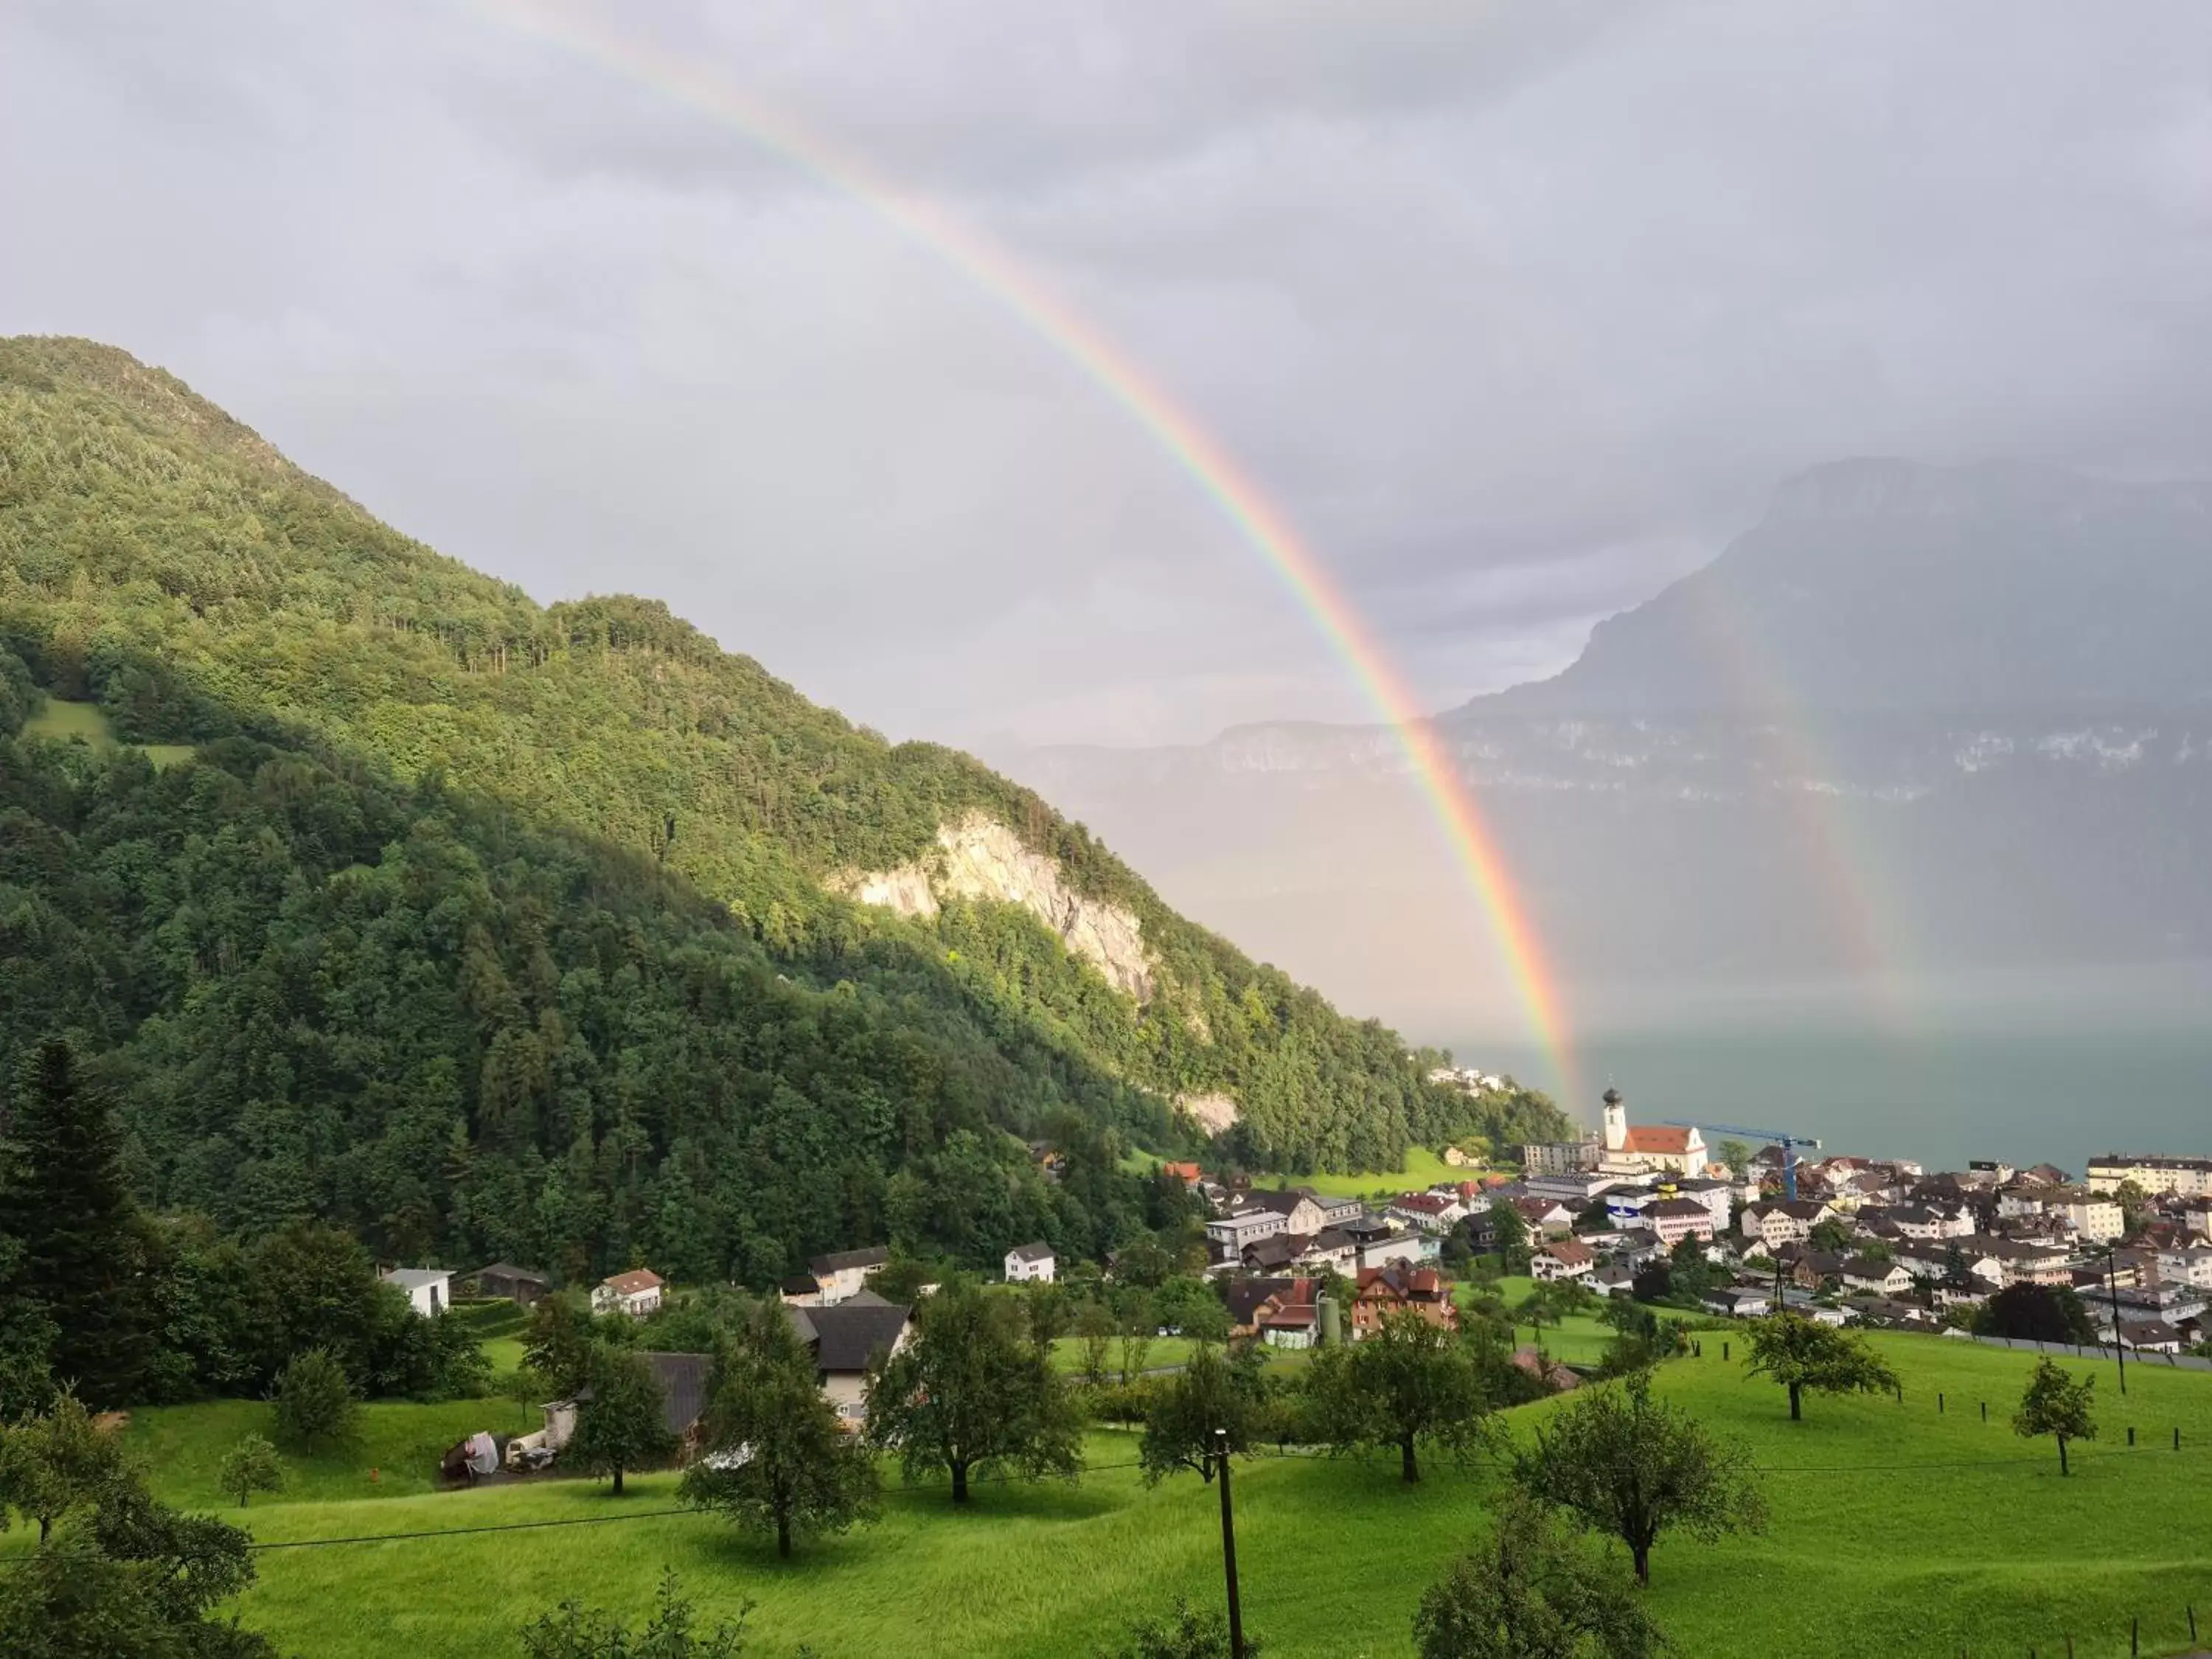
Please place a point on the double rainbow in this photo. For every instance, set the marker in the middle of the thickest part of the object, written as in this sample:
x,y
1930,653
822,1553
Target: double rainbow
x,y
1260,524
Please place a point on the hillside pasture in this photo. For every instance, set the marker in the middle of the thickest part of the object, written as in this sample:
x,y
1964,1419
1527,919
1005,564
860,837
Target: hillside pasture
x,y
1897,1529
65,721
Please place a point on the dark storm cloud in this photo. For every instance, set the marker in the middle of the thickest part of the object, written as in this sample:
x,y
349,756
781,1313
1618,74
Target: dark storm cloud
x,y
1517,310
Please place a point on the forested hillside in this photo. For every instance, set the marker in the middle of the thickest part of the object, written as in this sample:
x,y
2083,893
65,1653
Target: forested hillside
x,y
492,928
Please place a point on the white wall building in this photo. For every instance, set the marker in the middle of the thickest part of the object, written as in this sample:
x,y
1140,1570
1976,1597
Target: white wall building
x,y
1029,1264
428,1290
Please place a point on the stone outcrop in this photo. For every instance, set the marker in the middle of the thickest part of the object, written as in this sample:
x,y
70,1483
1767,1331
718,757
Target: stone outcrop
x,y
979,858
1212,1113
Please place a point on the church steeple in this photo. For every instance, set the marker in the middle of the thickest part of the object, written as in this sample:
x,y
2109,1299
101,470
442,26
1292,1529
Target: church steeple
x,y
1616,1121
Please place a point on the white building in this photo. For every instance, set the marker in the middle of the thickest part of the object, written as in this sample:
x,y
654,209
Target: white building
x,y
2189,1178
842,1274
2093,1216
427,1289
1563,1258
1029,1264
637,1293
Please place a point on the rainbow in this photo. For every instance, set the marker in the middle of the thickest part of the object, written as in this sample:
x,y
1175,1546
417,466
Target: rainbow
x,y
1839,865
1260,526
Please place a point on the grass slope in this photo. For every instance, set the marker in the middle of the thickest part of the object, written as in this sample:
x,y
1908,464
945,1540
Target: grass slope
x,y
1579,1339
65,721
1896,1530
1422,1169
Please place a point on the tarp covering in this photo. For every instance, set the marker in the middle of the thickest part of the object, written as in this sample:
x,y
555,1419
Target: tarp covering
x,y
484,1454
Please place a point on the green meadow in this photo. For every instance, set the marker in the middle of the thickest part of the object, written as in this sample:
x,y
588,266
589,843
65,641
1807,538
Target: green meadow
x,y
1897,1529
1422,1169
1579,1340
87,723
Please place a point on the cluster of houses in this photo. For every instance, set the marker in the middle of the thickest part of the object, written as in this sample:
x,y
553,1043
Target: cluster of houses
x,y
1896,1246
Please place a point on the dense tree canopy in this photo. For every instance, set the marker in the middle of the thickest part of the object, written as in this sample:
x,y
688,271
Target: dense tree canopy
x,y
494,928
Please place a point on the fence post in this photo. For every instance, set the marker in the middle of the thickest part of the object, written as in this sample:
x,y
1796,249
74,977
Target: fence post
x,y
2192,1622
1939,1402
1986,1411
2131,1434
1725,1351
2177,1436
2134,1635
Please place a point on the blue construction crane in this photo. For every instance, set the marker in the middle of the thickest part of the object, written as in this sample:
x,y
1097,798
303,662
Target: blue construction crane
x,y
1773,1138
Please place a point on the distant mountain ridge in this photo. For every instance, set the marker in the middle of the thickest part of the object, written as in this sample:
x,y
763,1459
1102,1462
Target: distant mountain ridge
x,y
1887,585
1986,685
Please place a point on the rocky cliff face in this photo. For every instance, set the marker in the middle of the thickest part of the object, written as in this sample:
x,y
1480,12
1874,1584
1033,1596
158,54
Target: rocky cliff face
x,y
979,858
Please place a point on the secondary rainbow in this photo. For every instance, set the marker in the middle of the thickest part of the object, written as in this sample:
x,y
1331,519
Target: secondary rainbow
x,y
1263,527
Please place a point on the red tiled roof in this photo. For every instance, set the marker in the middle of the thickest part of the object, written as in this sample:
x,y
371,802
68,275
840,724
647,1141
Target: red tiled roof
x,y
1188,1172
629,1284
1657,1139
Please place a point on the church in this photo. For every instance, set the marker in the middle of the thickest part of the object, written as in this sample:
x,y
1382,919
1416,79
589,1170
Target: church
x,y
1648,1150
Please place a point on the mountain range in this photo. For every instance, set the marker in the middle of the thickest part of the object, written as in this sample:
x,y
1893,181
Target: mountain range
x,y
1916,719
371,889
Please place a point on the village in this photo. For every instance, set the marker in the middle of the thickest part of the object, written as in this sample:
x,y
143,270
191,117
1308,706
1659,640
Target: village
x,y
1643,1215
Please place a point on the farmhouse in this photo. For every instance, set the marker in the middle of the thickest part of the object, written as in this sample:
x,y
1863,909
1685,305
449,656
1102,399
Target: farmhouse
x,y
428,1291
843,1274
1562,1258
1874,1277
1788,1223
637,1293
1029,1264
683,1381
504,1279
1257,1301
1385,1291
1430,1212
1739,1302
1546,1215
845,1337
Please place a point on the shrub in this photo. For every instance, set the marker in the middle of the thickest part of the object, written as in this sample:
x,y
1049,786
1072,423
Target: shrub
x,y
315,1407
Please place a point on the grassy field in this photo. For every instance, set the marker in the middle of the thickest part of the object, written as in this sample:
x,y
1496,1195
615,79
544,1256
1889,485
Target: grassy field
x,y
87,722
1579,1339
402,1443
1165,1350
1896,1530
1422,1169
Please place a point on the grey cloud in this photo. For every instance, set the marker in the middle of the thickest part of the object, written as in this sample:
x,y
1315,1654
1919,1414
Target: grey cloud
x,y
1516,310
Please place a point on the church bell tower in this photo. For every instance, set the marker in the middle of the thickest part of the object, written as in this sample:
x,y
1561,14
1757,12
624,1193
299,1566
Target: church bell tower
x,y
1616,1121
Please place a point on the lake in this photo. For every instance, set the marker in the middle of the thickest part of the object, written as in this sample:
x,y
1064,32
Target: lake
x,y
2024,1068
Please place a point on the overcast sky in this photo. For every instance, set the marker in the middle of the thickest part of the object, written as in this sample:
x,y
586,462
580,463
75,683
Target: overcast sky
x,y
1516,310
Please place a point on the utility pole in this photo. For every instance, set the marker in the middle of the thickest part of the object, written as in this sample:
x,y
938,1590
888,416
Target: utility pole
x,y
1229,1546
2119,1343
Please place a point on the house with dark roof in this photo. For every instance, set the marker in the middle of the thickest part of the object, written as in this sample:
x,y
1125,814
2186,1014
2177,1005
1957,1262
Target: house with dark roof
x,y
843,1273
1030,1264
1385,1291
504,1280
844,1337
682,1379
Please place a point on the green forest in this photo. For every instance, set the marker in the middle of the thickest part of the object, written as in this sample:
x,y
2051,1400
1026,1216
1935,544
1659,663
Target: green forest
x,y
485,928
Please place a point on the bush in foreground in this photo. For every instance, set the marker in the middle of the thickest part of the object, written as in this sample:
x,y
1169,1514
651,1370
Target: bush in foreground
x,y
573,1631
1531,1590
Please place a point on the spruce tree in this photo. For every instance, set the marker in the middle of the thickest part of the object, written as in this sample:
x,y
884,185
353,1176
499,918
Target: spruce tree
x,y
78,1230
